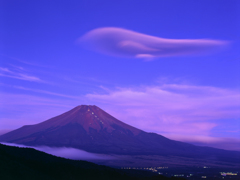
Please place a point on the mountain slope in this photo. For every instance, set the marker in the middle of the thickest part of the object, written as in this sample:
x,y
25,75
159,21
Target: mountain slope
x,y
92,129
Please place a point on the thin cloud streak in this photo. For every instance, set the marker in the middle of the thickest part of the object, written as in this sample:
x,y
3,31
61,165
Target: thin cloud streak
x,y
41,91
18,75
125,43
23,61
46,92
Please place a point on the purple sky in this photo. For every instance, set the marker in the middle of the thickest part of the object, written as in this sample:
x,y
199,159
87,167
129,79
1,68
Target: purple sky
x,y
169,67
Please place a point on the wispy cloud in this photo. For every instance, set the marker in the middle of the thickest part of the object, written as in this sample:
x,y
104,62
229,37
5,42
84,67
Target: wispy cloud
x,y
122,42
172,108
46,92
18,74
23,61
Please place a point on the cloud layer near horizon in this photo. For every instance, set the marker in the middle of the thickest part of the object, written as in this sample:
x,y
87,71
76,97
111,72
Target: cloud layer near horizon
x,y
66,152
125,43
174,110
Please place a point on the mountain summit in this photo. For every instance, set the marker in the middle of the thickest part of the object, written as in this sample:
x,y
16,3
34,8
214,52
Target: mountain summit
x,y
91,117
91,129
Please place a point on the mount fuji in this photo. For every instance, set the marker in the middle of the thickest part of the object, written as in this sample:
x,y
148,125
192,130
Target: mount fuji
x,y
91,129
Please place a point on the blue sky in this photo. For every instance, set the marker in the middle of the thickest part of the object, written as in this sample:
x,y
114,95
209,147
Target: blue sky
x,y
44,71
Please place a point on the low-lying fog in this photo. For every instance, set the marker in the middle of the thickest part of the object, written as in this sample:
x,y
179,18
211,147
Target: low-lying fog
x,y
69,153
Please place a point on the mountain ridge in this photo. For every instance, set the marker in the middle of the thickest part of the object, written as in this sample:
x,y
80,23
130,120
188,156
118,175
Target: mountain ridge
x,y
91,129
78,115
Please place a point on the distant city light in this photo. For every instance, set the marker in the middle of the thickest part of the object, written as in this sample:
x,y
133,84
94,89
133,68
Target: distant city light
x,y
228,174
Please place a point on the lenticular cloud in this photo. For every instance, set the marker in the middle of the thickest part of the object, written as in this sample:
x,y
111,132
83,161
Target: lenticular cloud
x,y
125,43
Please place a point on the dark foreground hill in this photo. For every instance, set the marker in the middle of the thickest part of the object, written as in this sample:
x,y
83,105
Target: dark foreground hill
x,y
91,129
29,164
